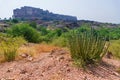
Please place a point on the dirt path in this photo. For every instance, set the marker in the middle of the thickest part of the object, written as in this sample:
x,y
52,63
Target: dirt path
x,y
54,66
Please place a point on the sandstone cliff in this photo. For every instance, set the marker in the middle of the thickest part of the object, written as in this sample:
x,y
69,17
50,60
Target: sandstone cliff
x,y
31,13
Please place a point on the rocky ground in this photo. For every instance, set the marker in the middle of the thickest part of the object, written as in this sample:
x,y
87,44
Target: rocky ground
x,y
57,65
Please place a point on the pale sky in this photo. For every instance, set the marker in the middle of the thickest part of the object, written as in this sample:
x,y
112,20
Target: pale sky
x,y
97,10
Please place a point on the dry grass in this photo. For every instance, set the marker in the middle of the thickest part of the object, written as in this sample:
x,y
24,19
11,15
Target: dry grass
x,y
9,46
118,70
34,49
44,48
115,48
2,58
30,50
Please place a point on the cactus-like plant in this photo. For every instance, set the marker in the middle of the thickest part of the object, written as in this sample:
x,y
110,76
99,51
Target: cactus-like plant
x,y
86,47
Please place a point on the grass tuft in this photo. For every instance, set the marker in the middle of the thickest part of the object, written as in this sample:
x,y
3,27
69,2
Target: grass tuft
x,y
9,46
87,47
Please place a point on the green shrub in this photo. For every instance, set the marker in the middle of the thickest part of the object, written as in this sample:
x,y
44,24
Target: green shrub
x,y
9,46
50,36
33,24
87,47
60,41
115,48
43,30
24,30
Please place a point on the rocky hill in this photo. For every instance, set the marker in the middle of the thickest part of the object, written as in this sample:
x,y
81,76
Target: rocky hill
x,y
31,13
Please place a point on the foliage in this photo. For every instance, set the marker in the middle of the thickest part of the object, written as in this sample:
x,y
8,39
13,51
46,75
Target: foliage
x,y
43,30
58,32
9,46
49,35
115,48
60,41
15,21
24,30
87,47
112,33
33,24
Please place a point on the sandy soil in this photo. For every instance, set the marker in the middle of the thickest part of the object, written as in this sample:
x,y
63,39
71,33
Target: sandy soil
x,y
57,65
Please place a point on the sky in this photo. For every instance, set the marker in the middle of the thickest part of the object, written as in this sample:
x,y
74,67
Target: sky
x,y
96,10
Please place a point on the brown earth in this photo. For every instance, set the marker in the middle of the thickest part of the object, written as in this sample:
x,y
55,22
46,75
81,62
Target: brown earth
x,y
56,65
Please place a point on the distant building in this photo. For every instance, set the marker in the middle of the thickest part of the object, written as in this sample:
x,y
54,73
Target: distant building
x,y
30,13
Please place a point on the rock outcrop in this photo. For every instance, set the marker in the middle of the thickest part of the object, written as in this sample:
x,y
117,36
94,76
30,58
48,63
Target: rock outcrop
x,y
30,13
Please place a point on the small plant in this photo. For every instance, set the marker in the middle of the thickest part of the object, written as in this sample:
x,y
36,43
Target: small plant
x,y
86,47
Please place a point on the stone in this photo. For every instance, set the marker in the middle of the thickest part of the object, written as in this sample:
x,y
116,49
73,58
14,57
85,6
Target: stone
x,y
23,72
30,58
25,55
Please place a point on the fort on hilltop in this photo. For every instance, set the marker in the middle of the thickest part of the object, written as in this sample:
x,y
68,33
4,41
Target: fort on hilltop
x,y
31,13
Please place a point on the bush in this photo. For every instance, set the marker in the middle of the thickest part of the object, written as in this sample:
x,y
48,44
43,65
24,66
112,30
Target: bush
x,y
24,30
86,48
9,46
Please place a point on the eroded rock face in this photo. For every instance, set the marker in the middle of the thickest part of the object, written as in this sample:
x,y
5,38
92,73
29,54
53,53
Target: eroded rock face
x,y
30,13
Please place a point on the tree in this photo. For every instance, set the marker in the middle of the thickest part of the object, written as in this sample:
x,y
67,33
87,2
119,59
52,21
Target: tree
x,y
15,21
